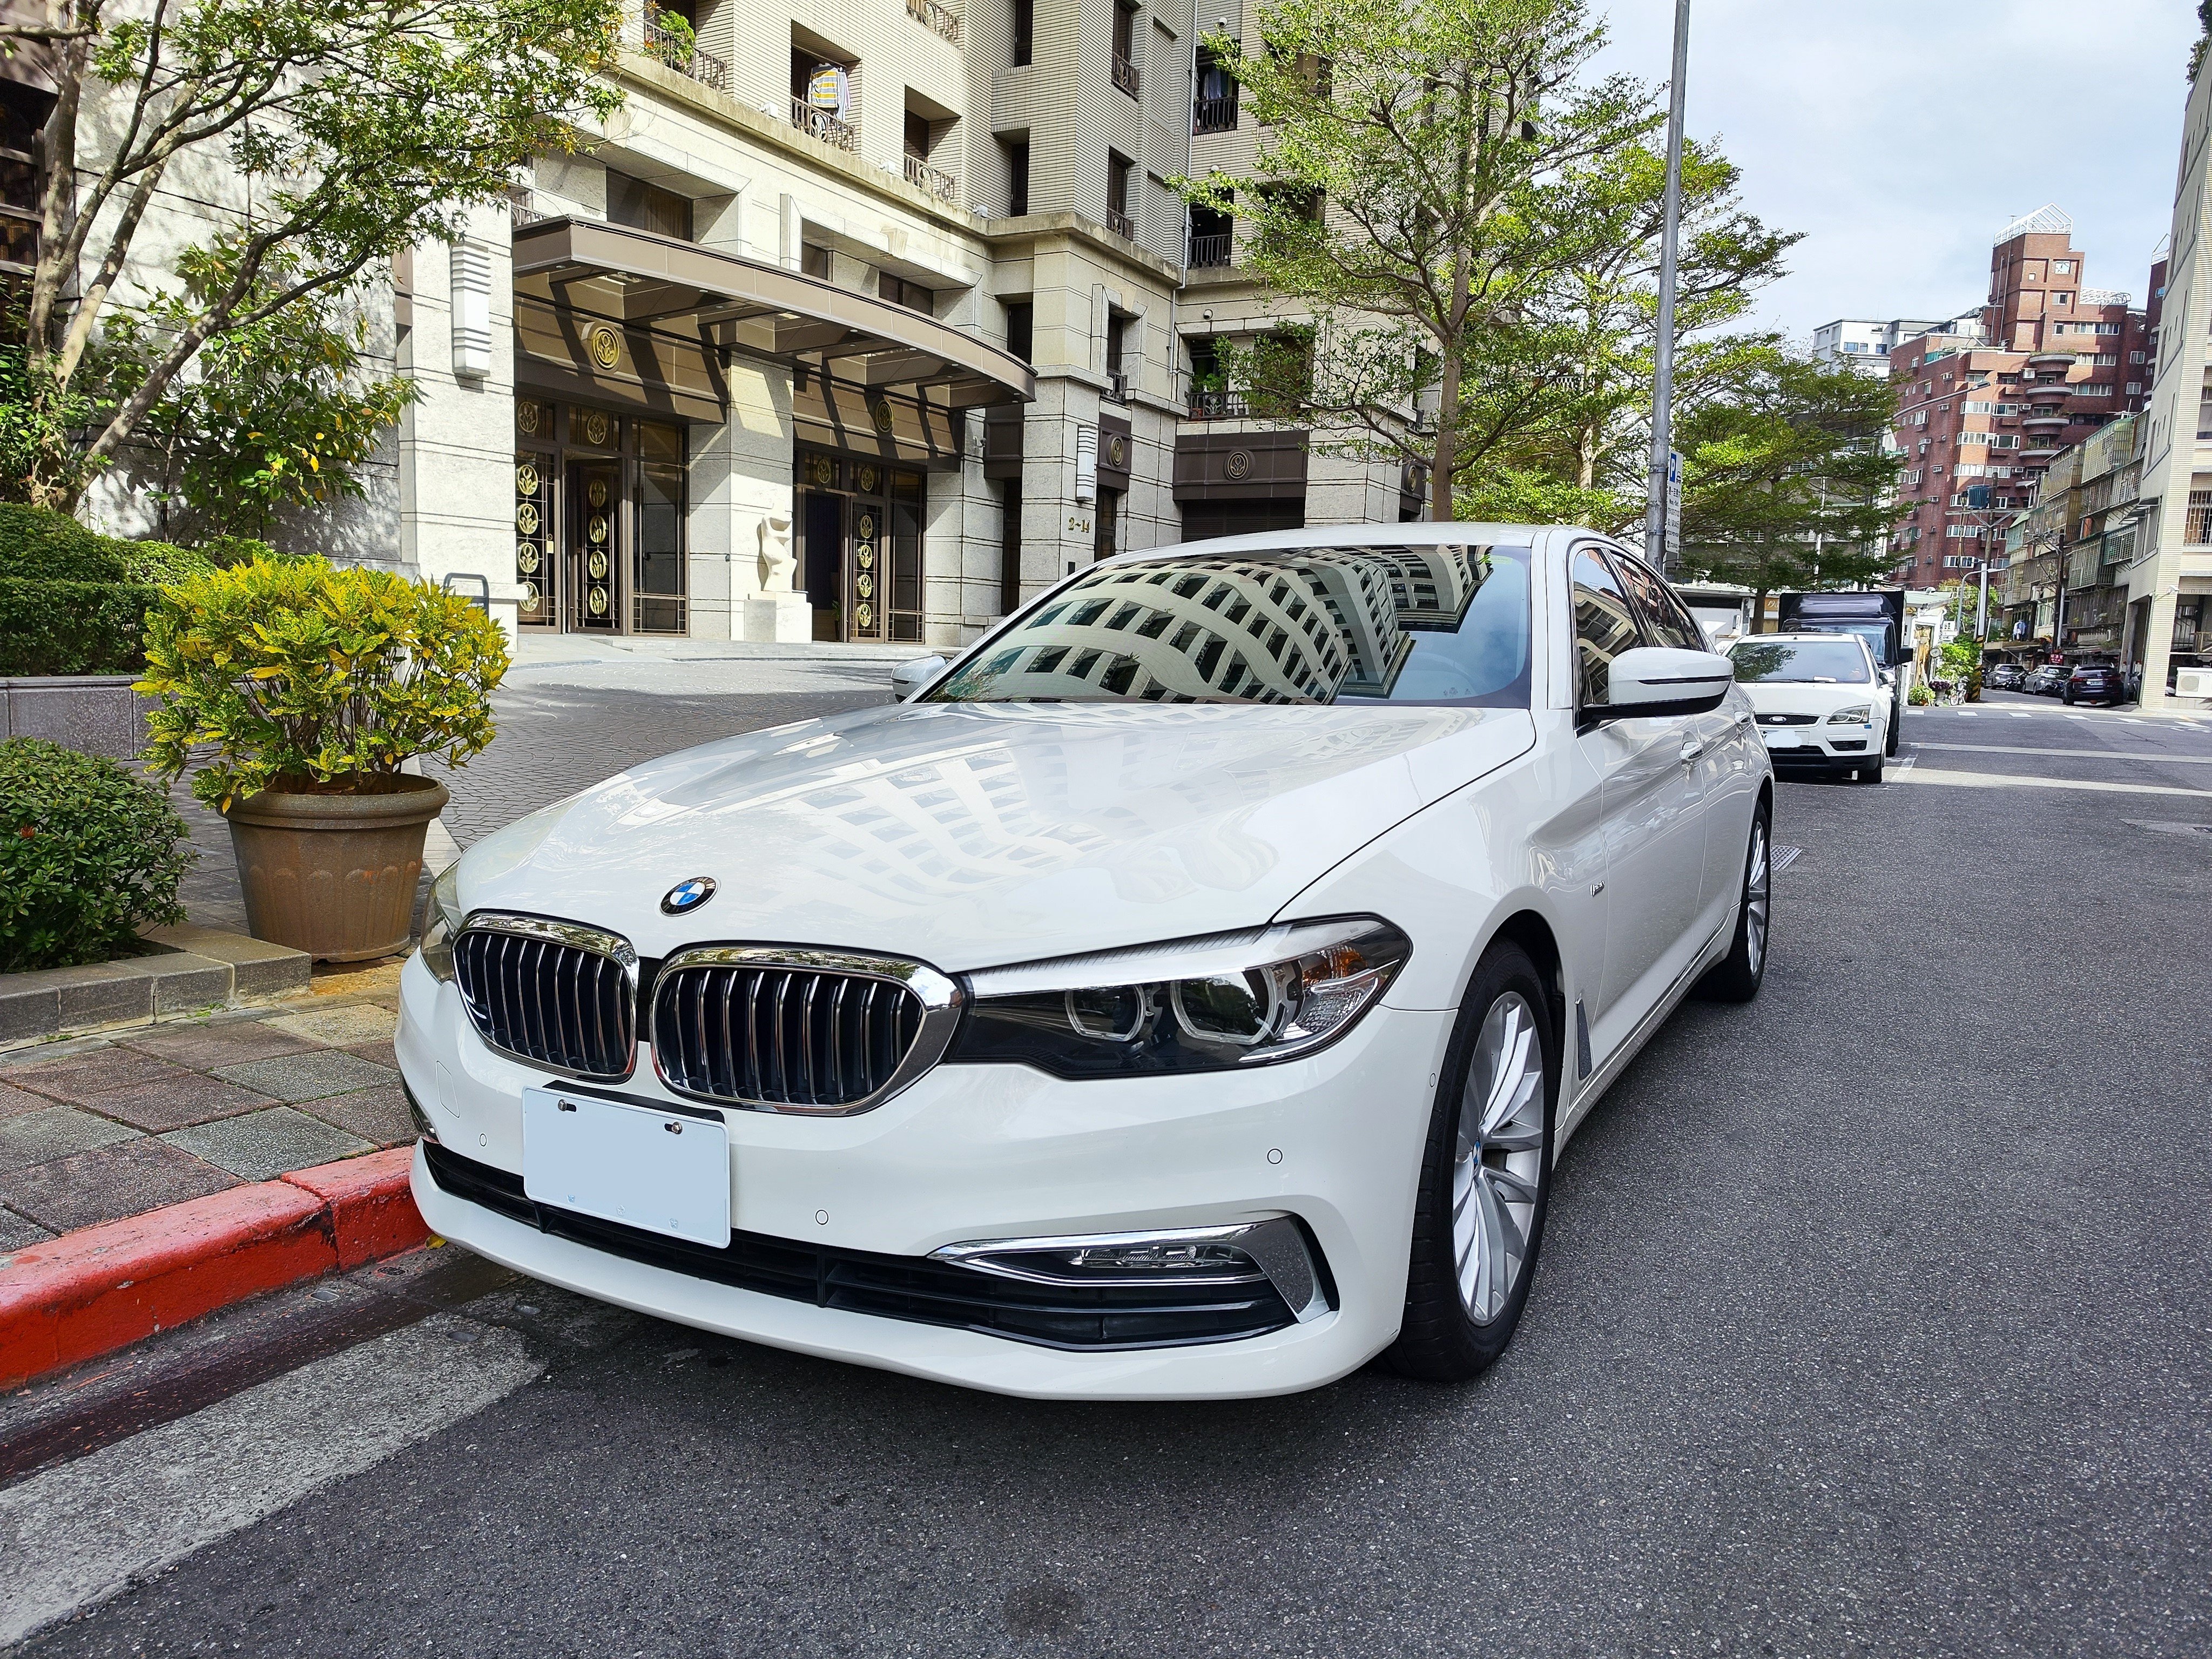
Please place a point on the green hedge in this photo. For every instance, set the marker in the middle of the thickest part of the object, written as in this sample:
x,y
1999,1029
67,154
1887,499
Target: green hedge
x,y
73,627
88,855
36,544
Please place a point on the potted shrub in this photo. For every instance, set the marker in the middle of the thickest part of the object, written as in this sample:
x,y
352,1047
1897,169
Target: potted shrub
x,y
300,689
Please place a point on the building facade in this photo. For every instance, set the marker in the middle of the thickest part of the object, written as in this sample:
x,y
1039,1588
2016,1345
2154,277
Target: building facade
x,y
1865,345
861,320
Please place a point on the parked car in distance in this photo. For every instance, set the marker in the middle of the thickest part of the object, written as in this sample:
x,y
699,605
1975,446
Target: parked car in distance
x,y
2005,677
1183,992
2098,683
1818,702
2046,679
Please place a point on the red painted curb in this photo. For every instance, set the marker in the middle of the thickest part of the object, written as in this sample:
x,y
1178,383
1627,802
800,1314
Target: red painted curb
x,y
92,1291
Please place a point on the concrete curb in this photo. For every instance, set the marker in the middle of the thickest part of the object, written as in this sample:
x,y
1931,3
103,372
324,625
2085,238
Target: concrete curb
x,y
88,1293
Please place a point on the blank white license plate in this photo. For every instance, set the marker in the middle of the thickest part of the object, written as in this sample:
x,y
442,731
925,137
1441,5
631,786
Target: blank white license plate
x,y
667,1172
1785,739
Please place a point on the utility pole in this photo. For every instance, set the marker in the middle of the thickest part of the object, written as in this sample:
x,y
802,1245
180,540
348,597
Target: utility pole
x,y
1656,546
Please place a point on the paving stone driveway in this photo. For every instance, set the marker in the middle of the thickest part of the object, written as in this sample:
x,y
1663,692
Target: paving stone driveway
x,y
105,1129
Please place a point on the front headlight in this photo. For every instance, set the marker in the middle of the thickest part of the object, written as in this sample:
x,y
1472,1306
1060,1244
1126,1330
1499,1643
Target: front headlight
x,y
1203,1004
1857,715
442,920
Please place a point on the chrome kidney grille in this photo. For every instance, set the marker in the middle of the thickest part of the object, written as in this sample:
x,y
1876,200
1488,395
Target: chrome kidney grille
x,y
551,992
797,1031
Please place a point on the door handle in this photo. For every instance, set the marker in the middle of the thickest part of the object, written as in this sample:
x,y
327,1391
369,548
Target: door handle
x,y
1690,751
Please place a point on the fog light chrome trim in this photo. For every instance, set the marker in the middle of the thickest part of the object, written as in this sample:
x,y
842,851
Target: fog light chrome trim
x,y
1275,1246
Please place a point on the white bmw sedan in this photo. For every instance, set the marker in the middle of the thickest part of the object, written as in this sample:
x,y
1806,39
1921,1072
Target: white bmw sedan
x,y
1185,992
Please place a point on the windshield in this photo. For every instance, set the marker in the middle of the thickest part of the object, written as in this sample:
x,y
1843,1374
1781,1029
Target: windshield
x,y
1432,624
1800,662
1877,634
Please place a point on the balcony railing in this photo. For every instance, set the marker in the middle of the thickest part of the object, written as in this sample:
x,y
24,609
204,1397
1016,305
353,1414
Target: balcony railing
x,y
681,53
1117,386
1217,403
931,15
1125,74
1209,253
821,123
923,176
1120,224
522,206
1215,114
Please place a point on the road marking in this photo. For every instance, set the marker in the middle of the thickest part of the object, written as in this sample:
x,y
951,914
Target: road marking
x,y
2084,753
1784,857
77,1534
2002,781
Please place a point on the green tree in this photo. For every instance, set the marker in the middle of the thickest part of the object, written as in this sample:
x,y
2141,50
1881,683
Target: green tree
x,y
353,131
279,414
1785,483
1415,190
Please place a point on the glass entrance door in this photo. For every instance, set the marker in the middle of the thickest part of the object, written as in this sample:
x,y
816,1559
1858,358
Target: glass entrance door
x,y
859,524
595,534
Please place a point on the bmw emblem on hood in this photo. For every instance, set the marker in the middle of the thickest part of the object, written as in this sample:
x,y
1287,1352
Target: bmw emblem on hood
x,y
687,896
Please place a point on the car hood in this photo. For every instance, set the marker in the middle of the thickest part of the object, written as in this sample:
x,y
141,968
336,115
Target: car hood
x,y
1768,697
968,836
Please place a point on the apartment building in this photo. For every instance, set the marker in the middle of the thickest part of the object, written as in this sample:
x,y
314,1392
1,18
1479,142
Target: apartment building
x,y
1980,417
1865,345
2062,588
861,320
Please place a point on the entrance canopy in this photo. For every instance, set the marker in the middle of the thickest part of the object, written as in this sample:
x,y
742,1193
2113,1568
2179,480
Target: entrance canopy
x,y
623,313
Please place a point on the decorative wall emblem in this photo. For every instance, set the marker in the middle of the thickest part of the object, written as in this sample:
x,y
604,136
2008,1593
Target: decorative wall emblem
x,y
526,557
868,519
606,347
532,598
883,415
864,617
598,602
596,531
525,414
868,482
822,469
1117,450
596,426
598,565
526,517
525,480
1237,465
597,492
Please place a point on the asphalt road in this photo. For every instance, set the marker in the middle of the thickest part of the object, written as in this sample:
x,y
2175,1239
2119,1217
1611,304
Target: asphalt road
x,y
1874,1318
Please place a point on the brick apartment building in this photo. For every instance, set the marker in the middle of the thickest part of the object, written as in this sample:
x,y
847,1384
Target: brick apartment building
x,y
2054,360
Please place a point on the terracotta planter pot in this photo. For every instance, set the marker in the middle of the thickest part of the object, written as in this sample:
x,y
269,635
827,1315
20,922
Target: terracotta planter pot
x,y
334,875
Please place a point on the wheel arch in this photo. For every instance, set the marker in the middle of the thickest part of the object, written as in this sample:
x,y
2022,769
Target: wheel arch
x,y
1529,929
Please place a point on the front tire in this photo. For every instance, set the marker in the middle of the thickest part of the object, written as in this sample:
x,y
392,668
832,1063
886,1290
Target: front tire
x,y
1739,975
1871,774
1486,1176
1896,727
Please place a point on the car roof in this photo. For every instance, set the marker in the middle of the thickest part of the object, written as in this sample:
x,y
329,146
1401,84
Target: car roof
x,y
1812,635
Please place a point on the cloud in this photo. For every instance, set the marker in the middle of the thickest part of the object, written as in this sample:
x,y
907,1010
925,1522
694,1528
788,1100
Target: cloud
x,y
1901,135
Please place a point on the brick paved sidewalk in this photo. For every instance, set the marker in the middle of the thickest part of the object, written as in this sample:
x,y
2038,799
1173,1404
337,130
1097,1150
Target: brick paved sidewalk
x,y
100,1129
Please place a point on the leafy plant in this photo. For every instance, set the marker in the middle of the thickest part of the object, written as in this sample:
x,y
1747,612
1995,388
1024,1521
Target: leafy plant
x,y
73,627
306,677
39,543
681,41
88,855
280,414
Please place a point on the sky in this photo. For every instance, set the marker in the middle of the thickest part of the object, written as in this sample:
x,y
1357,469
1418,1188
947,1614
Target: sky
x,y
1900,136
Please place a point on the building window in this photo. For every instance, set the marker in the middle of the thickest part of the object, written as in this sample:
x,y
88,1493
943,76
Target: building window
x,y
1118,168
1214,108
1021,327
1018,177
1009,546
1024,30
816,261
2062,267
1211,238
1125,46
899,292
639,206
1106,536
1117,378
2062,299
23,111
2197,529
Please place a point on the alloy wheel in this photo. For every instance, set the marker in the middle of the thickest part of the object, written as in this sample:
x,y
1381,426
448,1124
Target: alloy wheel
x,y
1497,1166
1758,884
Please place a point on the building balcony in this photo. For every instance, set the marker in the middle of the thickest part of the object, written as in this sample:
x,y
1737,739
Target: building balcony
x,y
933,16
1214,115
1117,386
2050,359
1210,253
1125,74
681,53
2045,390
923,176
1121,225
2054,421
2042,451
821,123
1217,403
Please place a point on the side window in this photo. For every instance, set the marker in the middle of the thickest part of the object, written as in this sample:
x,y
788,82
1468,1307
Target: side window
x,y
1663,615
1604,627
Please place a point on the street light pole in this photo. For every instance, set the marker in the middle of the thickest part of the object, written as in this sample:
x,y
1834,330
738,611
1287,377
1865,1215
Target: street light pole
x,y
1663,376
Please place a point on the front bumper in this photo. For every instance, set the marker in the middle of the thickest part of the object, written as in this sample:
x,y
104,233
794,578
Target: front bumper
x,y
1822,748
975,1153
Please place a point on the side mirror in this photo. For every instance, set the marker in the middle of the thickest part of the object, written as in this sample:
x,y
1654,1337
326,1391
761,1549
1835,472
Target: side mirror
x,y
909,678
1659,680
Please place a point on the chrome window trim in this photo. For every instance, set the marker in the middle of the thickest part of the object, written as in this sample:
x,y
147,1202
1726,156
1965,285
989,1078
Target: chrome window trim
x,y
596,940
940,996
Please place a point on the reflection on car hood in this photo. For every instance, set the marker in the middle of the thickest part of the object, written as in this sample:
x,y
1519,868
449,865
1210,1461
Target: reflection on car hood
x,y
968,834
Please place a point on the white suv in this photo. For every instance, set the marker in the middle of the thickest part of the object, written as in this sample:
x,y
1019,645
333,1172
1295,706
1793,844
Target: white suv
x,y
1819,701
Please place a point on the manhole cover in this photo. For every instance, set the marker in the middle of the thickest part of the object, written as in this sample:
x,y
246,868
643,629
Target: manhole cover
x,y
2167,827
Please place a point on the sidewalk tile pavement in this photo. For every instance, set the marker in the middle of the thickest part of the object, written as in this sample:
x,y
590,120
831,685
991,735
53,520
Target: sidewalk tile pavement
x,y
108,1128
